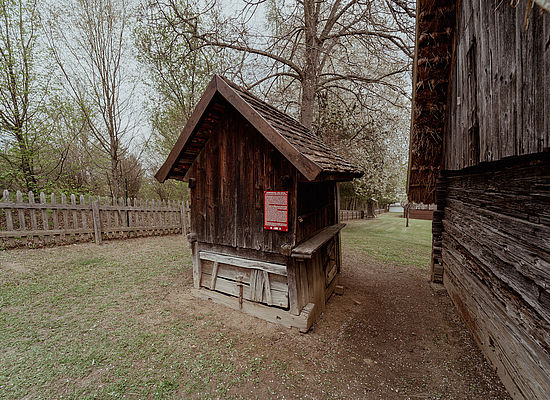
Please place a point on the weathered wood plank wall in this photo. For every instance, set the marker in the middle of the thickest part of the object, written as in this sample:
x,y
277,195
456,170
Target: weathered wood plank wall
x,y
229,178
27,222
499,102
496,254
495,191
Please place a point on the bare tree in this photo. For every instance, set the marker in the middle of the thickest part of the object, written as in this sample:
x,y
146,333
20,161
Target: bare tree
x,y
176,76
321,45
88,39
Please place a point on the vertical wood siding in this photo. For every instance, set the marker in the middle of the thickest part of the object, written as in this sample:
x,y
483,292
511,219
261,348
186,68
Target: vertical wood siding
x,y
231,173
499,103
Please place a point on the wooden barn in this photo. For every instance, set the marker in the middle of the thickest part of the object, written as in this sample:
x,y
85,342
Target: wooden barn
x,y
264,206
480,141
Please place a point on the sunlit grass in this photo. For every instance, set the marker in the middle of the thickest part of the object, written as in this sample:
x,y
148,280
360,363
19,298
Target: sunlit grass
x,y
387,239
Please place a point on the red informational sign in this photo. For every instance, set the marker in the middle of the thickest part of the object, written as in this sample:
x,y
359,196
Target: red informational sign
x,y
276,211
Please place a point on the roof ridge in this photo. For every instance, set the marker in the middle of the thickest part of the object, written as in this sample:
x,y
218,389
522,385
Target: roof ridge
x,y
311,135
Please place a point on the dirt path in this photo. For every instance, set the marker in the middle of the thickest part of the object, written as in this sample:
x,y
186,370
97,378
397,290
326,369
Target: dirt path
x,y
390,336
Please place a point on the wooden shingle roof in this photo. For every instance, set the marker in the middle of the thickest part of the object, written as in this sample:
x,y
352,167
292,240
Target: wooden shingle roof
x,y
313,158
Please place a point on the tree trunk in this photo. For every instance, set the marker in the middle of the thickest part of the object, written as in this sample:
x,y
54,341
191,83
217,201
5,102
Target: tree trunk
x,y
27,167
30,178
311,78
116,187
308,101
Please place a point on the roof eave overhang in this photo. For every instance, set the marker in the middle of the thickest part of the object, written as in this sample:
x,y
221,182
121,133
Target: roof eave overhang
x,y
307,167
422,174
333,176
164,171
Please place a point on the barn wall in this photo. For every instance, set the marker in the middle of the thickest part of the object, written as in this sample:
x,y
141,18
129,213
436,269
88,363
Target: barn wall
x,y
231,173
496,255
499,102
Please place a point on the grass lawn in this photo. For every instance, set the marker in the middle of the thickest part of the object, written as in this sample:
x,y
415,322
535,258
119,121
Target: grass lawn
x,y
116,321
387,239
83,321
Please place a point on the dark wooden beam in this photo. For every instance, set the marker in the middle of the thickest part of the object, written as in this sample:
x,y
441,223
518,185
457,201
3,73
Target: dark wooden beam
x,y
310,246
205,100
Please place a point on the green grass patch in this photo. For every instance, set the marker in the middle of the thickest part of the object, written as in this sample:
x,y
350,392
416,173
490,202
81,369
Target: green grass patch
x,y
115,321
87,322
387,239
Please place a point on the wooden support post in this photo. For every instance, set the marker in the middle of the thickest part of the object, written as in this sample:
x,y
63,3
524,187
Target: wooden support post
x,y
337,203
267,286
437,268
292,288
214,275
304,282
240,284
196,265
183,219
188,216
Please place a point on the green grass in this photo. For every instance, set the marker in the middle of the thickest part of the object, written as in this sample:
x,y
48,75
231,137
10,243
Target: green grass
x,y
116,321
90,322
387,239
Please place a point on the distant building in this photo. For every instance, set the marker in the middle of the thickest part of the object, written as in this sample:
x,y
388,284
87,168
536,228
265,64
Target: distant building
x,y
396,208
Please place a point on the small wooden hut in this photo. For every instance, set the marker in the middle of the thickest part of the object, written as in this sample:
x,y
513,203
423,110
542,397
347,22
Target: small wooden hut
x,y
480,149
264,206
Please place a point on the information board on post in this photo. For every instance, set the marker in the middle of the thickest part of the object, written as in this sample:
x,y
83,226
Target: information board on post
x,y
276,210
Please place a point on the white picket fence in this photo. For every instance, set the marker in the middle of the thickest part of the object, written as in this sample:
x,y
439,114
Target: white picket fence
x,y
38,221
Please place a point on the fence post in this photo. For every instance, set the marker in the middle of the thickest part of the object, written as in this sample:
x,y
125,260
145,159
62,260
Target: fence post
x,y
65,214
183,219
97,221
9,218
